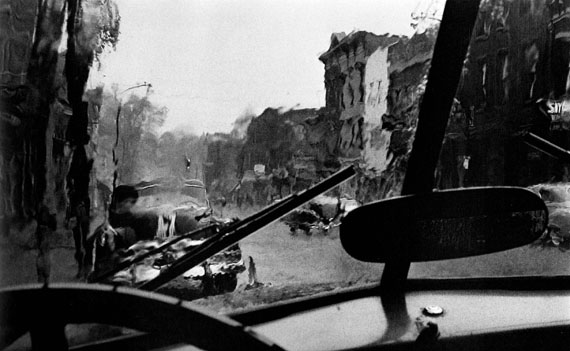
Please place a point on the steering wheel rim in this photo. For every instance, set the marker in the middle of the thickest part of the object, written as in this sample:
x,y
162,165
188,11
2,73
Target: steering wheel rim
x,y
23,308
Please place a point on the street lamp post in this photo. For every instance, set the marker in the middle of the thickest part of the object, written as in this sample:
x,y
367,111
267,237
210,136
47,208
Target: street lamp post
x,y
145,84
117,123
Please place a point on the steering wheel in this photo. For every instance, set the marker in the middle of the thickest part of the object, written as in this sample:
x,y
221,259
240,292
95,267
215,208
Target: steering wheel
x,y
44,311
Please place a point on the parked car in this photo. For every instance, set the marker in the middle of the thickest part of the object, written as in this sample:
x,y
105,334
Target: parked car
x,y
163,210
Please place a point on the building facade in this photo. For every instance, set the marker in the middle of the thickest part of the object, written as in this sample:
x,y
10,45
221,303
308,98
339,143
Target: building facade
x,y
374,83
517,64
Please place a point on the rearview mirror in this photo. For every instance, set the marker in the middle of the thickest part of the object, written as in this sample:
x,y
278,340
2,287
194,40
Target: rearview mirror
x,y
443,225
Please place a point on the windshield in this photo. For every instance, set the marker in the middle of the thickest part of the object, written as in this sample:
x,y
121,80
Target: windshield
x,y
241,104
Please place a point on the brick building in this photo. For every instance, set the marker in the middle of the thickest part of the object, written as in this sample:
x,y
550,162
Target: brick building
x,y
518,56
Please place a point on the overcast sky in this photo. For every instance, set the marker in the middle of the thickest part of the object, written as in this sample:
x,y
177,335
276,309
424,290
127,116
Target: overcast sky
x,y
210,61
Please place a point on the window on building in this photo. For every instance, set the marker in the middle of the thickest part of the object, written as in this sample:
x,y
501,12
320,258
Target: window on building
x,y
502,78
524,7
501,16
532,56
482,83
483,26
559,69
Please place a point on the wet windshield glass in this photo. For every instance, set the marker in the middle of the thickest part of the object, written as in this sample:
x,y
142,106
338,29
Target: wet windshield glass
x,y
189,114
159,118
514,82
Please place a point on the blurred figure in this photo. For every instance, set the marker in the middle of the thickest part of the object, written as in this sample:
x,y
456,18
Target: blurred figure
x,y
79,206
47,224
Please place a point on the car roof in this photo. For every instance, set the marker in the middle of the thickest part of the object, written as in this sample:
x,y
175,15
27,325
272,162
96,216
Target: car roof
x,y
159,185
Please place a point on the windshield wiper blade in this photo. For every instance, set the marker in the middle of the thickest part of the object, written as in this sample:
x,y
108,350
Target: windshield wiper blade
x,y
211,232
236,232
200,232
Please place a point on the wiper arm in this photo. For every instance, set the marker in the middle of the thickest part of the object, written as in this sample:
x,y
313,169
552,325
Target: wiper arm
x,y
288,203
138,258
237,231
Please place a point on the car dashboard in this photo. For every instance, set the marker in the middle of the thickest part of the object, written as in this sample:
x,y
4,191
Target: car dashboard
x,y
369,323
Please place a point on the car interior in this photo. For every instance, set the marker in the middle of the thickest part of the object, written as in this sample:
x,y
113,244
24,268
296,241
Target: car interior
x,y
398,313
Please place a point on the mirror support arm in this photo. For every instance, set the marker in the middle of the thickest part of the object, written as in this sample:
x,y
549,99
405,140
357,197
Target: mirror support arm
x,y
449,54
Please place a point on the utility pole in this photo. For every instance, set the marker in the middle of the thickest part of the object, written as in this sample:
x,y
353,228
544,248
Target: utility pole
x,y
117,124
